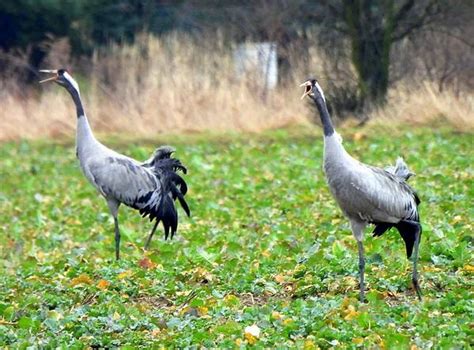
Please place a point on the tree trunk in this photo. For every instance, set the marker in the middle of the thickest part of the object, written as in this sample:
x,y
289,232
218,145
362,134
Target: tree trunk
x,y
370,26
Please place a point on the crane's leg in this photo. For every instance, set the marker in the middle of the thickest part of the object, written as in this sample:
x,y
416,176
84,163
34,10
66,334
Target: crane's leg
x,y
113,207
151,235
415,261
117,239
360,247
358,232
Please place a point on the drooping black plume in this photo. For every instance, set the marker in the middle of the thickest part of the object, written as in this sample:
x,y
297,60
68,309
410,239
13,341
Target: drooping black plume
x,y
165,168
406,228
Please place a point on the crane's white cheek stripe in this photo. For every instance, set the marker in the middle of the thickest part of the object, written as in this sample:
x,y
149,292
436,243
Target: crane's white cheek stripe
x,y
71,80
320,91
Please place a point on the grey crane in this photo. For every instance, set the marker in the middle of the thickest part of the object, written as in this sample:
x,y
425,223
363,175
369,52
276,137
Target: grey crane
x,y
150,187
367,194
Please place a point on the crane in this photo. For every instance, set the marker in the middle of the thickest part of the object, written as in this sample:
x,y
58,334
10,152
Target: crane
x,y
367,194
151,187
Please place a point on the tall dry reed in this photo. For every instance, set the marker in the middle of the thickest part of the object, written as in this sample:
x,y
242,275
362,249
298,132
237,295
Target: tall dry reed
x,y
179,84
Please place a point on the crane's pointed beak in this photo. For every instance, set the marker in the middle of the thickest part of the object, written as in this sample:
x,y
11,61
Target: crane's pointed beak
x,y
307,88
53,78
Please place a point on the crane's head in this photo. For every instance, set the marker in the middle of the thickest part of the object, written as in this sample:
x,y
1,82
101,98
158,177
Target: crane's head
x,y
312,89
61,77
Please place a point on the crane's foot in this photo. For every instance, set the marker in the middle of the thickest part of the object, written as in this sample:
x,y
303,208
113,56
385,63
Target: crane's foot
x,y
417,288
362,296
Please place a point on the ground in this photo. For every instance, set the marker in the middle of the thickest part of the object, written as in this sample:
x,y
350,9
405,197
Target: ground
x,y
266,260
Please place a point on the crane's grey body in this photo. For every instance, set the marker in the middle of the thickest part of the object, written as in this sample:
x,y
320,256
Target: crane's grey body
x,y
118,178
150,187
366,194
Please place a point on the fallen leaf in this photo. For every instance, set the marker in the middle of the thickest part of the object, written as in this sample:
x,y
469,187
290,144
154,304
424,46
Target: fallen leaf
x,y
81,279
468,268
202,310
280,279
103,284
252,333
350,313
276,315
309,345
146,263
124,274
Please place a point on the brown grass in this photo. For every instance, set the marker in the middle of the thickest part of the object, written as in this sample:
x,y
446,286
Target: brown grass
x,y
423,104
176,84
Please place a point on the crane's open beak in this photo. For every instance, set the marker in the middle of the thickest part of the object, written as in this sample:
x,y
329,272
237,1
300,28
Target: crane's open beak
x,y
307,88
53,78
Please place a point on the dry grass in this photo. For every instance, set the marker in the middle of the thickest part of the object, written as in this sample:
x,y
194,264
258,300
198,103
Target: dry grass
x,y
176,84
423,104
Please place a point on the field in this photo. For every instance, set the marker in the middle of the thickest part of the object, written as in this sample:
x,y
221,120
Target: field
x,y
265,246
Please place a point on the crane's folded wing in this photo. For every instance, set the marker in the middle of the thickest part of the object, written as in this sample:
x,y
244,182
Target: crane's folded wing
x,y
388,197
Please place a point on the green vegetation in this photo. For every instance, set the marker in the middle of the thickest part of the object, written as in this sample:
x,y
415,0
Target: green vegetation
x,y
266,246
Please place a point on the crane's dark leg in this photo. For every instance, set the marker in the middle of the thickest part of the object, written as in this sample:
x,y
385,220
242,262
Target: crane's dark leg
x,y
415,261
113,207
151,235
117,239
360,247
358,232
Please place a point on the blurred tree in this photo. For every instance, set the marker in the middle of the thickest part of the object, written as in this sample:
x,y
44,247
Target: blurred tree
x,y
372,27
26,24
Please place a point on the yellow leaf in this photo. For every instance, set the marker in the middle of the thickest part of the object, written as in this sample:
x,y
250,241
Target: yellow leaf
x,y
266,253
116,316
124,274
231,299
350,313
252,333
358,340
468,268
202,310
457,219
238,342
309,345
201,275
280,278
276,315
250,338
81,279
287,321
103,284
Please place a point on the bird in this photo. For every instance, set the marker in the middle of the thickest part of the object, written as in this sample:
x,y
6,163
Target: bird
x,y
368,195
151,187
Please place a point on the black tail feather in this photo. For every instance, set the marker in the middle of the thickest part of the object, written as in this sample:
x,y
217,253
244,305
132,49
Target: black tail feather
x,y
381,228
169,216
177,194
408,230
173,187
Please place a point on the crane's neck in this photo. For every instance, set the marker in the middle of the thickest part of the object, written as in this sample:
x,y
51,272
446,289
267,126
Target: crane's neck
x,y
324,115
76,97
334,152
84,135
